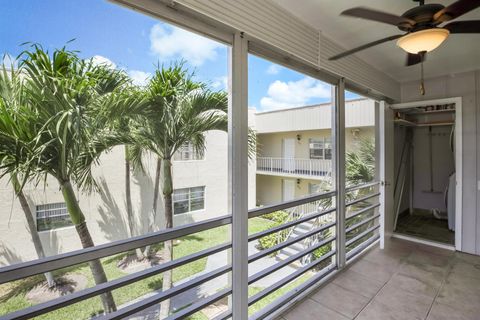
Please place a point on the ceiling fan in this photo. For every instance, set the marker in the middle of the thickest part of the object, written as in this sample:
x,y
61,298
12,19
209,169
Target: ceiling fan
x,y
422,27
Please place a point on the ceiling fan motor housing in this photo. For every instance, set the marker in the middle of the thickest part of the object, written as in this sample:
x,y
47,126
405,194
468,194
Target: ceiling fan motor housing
x,y
423,16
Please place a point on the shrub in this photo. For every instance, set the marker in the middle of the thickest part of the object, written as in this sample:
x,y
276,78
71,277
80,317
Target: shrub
x,y
277,218
320,252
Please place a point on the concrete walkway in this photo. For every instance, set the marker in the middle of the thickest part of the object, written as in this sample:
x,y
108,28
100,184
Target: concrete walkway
x,y
215,261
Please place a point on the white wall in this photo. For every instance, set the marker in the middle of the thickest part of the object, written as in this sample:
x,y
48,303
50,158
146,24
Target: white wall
x,y
467,86
271,144
358,113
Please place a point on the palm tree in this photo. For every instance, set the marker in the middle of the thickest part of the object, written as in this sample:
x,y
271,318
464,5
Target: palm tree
x,y
67,132
11,151
360,164
359,169
178,111
133,159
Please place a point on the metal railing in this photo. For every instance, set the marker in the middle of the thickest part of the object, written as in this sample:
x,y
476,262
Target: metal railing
x,y
324,264
295,166
362,218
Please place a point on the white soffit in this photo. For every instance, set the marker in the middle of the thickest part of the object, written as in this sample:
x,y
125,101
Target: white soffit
x,y
272,24
459,53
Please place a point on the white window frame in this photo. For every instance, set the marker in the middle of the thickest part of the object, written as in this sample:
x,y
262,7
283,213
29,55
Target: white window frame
x,y
52,210
187,152
323,141
189,199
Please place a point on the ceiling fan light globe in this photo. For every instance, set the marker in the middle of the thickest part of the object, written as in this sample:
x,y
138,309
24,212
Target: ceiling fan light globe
x,y
423,41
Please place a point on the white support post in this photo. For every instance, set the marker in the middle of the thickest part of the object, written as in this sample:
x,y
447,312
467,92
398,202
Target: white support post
x,y
238,165
378,166
338,132
386,172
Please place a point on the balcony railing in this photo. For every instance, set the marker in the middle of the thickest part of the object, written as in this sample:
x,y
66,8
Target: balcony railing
x,y
295,166
360,231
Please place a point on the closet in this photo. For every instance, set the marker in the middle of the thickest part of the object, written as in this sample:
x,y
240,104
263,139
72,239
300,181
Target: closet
x,y
425,172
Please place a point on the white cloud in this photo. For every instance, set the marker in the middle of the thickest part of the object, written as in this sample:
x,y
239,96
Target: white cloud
x,y
282,95
101,60
9,61
172,43
220,83
139,78
274,69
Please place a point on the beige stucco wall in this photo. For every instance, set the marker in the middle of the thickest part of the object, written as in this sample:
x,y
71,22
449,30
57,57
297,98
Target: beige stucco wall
x,y
270,188
106,212
271,144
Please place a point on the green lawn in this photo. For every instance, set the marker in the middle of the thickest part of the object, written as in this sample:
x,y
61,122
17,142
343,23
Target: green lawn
x,y
12,295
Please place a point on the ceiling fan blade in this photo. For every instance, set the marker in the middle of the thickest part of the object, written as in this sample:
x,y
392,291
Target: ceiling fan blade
x,y
413,59
471,26
379,16
455,10
365,46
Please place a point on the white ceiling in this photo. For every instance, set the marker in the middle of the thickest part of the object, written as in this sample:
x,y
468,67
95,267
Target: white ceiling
x,y
458,53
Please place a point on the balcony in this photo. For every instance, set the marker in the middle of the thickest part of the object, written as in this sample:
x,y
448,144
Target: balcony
x,y
329,238
294,167
403,281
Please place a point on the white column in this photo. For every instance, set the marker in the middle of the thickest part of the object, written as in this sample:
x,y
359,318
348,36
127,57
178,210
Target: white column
x,y
378,165
338,140
238,165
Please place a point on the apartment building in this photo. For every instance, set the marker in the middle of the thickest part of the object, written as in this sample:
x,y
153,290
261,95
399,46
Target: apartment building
x,y
295,147
200,193
294,157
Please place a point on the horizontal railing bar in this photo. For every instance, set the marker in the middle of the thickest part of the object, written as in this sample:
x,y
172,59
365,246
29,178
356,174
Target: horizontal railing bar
x,y
281,227
193,308
352,253
267,271
366,209
294,159
361,223
224,316
265,292
361,235
288,204
361,186
34,267
72,298
163,295
373,195
272,307
284,244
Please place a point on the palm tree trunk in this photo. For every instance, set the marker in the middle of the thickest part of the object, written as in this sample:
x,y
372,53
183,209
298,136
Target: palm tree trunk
x,y
168,245
37,243
78,219
128,195
153,216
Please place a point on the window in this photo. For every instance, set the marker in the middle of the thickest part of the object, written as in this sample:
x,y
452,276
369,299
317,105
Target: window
x,y
188,200
314,188
320,148
328,148
316,148
187,152
52,216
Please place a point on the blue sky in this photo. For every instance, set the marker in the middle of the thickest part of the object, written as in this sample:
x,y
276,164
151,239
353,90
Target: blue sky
x,y
136,42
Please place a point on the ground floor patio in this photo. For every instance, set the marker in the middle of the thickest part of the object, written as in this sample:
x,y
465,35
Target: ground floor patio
x,y
404,281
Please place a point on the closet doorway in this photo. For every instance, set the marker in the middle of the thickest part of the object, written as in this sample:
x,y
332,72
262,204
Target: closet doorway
x,y
427,171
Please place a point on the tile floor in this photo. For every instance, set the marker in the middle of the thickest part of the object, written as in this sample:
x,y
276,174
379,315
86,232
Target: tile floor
x,y
406,281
